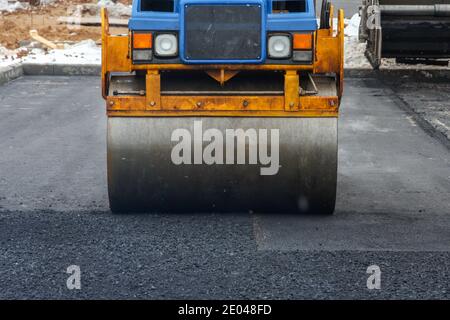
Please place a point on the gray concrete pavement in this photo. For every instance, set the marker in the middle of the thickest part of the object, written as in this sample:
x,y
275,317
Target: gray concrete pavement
x,y
393,211
394,183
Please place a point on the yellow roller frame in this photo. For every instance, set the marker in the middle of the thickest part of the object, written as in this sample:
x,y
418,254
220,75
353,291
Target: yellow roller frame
x,y
328,59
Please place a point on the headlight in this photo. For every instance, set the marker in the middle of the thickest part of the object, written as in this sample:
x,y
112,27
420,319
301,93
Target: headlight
x,y
280,47
166,45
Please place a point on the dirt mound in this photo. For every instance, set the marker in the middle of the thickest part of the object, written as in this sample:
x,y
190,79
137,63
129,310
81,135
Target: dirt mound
x,y
16,25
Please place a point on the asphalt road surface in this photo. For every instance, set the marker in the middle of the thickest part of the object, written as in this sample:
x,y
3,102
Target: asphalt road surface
x,y
393,211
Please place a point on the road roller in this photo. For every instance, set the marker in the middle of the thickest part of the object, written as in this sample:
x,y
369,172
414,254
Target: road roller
x,y
223,106
412,31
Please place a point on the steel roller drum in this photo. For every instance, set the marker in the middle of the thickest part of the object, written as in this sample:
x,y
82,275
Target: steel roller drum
x,y
142,176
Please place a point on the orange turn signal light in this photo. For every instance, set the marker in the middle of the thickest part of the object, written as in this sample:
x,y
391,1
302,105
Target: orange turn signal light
x,y
142,40
302,41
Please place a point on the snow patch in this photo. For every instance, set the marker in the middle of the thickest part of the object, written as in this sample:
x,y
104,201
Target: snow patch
x,y
83,53
354,54
352,26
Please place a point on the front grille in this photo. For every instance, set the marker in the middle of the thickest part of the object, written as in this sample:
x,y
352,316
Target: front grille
x,y
222,32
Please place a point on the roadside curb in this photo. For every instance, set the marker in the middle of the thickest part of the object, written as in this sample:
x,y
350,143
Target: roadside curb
x,y
10,73
13,72
32,69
